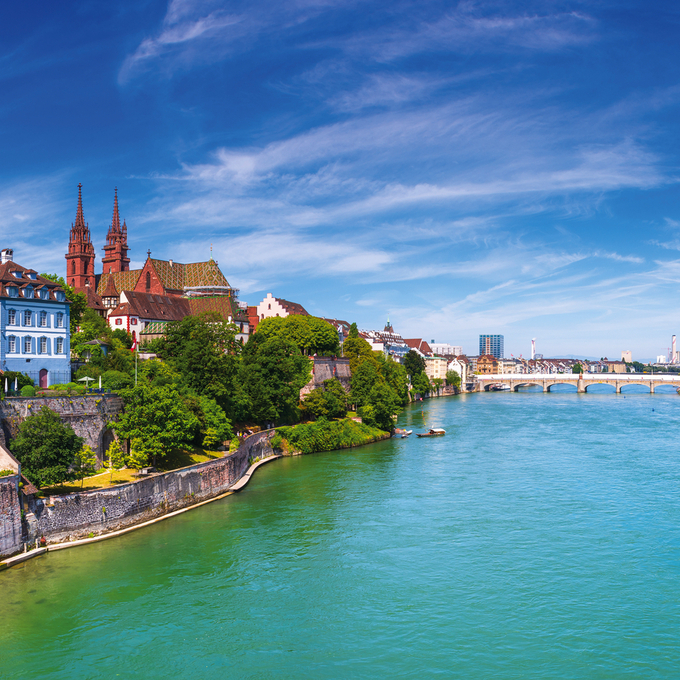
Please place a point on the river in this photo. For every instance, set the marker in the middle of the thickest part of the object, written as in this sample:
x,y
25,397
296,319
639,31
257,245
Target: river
x,y
540,538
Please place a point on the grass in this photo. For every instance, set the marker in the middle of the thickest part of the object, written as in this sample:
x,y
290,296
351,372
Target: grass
x,y
102,480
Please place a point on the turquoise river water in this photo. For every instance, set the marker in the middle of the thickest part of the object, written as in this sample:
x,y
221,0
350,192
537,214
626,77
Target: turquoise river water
x,y
540,538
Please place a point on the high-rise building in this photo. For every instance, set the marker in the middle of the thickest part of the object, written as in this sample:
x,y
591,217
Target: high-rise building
x,y
491,344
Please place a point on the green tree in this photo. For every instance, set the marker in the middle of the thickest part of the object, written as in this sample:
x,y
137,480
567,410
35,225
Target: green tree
x,y
116,457
273,371
379,407
204,350
155,420
421,383
397,378
46,448
315,404
353,330
414,364
311,334
357,350
453,378
84,463
577,368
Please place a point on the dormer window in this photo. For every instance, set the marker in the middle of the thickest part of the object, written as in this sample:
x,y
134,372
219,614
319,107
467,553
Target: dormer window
x,y
12,291
16,274
28,292
44,294
61,296
31,275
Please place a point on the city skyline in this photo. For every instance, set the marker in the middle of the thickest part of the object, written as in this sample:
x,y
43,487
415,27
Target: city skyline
x,y
481,167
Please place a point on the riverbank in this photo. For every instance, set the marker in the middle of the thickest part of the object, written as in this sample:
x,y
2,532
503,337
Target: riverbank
x,y
86,517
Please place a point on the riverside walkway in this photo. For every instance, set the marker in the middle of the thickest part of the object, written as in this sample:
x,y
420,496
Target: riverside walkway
x,y
582,381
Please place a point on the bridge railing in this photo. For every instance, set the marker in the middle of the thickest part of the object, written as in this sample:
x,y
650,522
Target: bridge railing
x,y
531,377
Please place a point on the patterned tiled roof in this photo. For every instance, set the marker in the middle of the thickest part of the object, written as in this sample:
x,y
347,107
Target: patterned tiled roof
x,y
225,306
177,276
122,280
154,328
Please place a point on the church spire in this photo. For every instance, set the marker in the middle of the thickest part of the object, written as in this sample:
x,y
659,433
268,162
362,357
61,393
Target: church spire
x,y
115,223
80,256
80,219
115,251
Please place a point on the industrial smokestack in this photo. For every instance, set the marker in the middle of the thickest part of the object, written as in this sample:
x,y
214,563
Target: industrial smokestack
x,y
533,348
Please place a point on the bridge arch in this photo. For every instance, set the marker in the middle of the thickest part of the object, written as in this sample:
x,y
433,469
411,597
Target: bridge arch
x,y
527,384
641,383
608,383
555,383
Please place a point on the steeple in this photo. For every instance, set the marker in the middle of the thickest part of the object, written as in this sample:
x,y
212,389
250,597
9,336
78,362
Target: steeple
x,y
80,256
115,251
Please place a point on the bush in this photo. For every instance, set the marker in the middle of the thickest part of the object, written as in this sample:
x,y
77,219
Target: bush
x,y
7,473
324,435
28,391
116,380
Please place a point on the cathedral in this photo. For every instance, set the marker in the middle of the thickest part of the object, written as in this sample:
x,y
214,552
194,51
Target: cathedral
x,y
142,301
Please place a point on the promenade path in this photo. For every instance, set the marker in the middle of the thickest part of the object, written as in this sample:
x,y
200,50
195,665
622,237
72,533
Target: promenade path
x,y
582,381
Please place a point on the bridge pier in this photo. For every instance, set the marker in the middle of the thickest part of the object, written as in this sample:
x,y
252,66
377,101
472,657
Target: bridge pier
x,y
545,386
580,387
618,387
651,387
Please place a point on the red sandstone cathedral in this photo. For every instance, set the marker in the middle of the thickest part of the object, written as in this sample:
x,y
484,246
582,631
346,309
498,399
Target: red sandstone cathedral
x,y
143,300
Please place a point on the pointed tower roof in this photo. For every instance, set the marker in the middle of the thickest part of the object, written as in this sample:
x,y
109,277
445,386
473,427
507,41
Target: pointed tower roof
x,y
110,290
80,219
115,222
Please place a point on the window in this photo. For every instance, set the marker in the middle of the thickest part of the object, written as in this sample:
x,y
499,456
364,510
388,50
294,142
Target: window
x,y
44,294
12,291
148,280
17,275
60,319
60,345
61,296
73,266
28,291
43,319
27,345
119,322
11,344
28,319
43,345
270,306
133,321
11,317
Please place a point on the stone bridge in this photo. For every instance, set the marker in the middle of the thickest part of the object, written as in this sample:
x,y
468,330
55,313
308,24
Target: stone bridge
x,y
582,381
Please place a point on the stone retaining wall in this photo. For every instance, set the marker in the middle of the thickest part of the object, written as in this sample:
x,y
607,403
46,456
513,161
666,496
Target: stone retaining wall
x,y
62,518
88,416
10,516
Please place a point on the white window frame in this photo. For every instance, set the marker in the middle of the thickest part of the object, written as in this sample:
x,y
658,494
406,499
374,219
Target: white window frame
x,y
28,317
43,319
42,345
11,317
28,343
12,344
60,319
59,349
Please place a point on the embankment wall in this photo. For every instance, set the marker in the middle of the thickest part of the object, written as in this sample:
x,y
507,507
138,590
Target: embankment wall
x,y
63,518
10,516
88,416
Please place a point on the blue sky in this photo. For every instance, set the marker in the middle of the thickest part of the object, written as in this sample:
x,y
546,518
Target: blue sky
x,y
466,168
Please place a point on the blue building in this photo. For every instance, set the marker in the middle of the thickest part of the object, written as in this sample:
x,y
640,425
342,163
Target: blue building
x,y
34,324
491,344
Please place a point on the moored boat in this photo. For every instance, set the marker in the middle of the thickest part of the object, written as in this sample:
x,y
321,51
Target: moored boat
x,y
434,432
406,433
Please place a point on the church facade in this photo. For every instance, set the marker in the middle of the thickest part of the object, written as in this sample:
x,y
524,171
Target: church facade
x,y
159,292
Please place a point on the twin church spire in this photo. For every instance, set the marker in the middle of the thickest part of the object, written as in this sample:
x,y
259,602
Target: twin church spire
x,y
81,255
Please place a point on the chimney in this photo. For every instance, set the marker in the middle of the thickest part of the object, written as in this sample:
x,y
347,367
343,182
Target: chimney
x,y
170,261
6,255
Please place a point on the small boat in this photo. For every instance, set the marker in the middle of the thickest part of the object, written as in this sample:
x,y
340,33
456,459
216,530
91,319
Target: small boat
x,y
500,387
434,432
406,433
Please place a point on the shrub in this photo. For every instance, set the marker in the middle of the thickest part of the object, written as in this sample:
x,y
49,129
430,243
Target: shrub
x,y
28,391
324,435
7,473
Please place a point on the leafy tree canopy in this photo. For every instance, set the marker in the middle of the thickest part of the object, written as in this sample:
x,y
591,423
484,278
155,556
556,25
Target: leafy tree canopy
x,y
156,420
46,448
311,334
414,363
